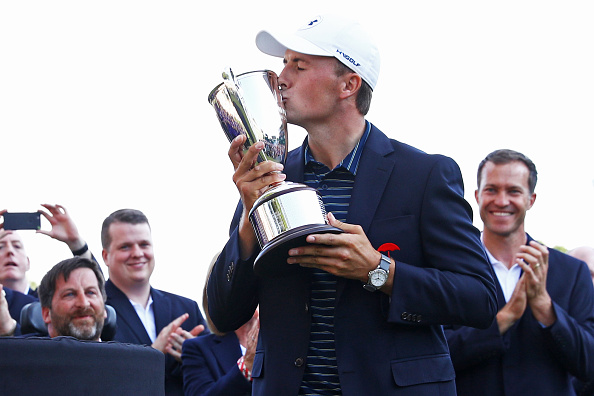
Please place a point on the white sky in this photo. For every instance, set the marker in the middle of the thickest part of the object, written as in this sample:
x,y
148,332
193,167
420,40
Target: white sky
x,y
103,105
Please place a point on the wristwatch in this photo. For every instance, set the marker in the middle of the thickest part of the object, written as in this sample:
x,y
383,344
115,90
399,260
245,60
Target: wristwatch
x,y
378,276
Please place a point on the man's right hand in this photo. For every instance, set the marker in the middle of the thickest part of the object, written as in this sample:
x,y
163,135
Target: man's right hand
x,y
7,323
515,307
252,179
2,232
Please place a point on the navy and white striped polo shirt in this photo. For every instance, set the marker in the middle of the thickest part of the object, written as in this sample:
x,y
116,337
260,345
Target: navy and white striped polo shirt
x,y
335,186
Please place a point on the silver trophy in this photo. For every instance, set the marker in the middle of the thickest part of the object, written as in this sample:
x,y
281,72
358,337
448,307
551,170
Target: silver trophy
x,y
251,104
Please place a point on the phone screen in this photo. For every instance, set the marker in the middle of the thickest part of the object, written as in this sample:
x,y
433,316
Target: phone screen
x,y
22,221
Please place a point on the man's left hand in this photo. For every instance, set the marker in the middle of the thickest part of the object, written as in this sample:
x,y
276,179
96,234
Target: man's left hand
x,y
63,227
534,260
348,255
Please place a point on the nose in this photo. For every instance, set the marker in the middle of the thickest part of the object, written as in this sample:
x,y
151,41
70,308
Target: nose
x,y
82,300
10,250
502,199
137,251
282,79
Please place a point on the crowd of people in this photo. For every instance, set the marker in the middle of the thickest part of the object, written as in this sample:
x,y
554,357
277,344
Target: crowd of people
x,y
451,310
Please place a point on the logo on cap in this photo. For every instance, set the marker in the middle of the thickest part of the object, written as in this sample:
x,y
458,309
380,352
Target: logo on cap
x,y
348,58
313,23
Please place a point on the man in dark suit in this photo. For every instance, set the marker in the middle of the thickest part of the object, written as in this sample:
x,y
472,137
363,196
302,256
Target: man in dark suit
x,y
543,334
218,364
347,319
11,303
145,315
210,366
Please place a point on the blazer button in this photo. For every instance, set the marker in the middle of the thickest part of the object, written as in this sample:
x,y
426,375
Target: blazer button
x,y
298,362
404,316
419,317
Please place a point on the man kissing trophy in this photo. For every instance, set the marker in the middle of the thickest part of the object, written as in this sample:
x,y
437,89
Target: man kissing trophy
x,y
251,104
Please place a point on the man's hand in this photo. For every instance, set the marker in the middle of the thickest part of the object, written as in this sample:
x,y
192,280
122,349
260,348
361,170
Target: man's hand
x,y
348,255
515,307
177,338
63,227
7,323
252,342
248,338
251,180
534,260
172,336
2,232
163,337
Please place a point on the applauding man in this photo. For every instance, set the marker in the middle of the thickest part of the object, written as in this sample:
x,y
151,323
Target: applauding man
x,y
145,315
544,331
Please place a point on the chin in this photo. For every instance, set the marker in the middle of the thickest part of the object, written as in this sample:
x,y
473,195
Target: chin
x,y
88,333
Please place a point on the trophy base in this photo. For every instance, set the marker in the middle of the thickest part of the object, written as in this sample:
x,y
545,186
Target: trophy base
x,y
272,260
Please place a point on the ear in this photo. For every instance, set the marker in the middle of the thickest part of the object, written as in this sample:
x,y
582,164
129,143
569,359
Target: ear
x,y
532,199
351,84
104,255
45,313
476,195
28,264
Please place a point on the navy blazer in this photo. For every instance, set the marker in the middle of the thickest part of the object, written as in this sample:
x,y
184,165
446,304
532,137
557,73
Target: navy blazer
x,y
167,307
209,366
529,358
384,346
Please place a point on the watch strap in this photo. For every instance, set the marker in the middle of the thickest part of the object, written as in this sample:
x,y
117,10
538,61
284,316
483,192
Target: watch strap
x,y
384,265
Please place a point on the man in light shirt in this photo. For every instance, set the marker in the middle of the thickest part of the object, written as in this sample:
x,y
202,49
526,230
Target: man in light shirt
x,y
543,334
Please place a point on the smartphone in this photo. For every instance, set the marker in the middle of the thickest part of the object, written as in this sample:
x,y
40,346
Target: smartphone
x,y
22,221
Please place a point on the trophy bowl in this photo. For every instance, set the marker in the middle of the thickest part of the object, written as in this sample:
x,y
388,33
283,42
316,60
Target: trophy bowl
x,y
287,212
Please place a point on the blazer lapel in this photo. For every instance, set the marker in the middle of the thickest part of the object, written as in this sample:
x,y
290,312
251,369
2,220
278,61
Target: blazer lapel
x,y
161,309
373,173
126,314
295,165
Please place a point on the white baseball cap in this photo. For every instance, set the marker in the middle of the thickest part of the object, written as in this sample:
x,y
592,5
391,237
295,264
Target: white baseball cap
x,y
328,35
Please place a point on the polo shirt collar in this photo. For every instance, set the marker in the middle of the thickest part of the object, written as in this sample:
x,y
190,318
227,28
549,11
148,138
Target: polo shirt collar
x,y
351,161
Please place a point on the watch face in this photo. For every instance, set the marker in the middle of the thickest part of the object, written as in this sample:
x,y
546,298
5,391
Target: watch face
x,y
378,278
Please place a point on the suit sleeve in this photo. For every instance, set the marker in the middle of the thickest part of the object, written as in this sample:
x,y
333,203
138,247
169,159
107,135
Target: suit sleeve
x,y
199,379
453,282
571,337
470,346
232,285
